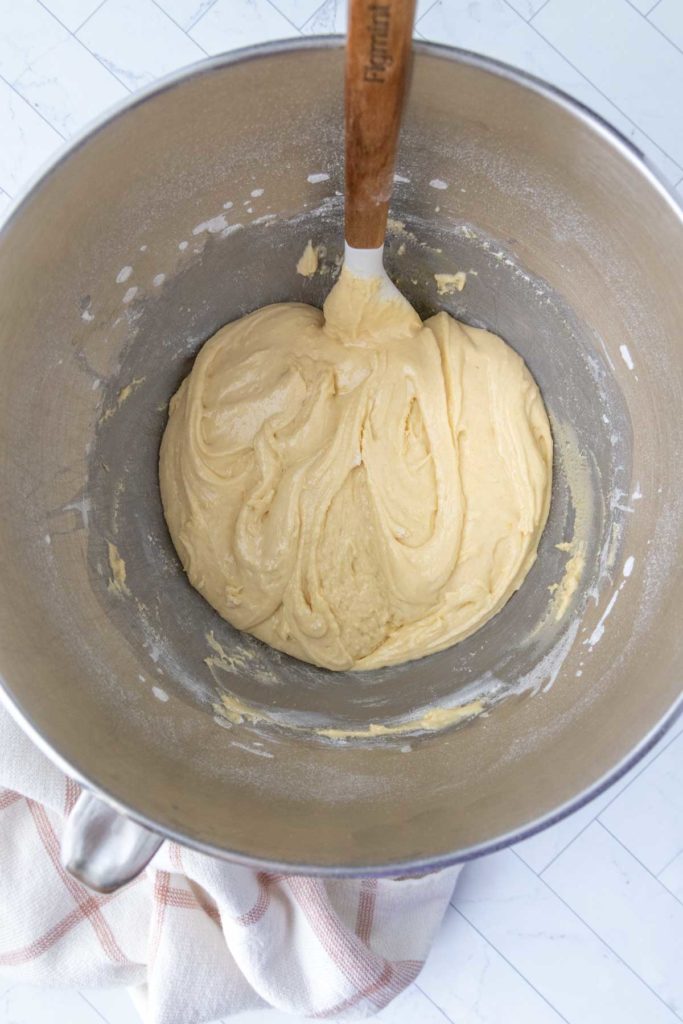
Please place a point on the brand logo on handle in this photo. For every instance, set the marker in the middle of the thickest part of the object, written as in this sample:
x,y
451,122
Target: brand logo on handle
x,y
380,57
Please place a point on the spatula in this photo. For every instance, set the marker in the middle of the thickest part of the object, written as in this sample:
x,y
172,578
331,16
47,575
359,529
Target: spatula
x,y
377,67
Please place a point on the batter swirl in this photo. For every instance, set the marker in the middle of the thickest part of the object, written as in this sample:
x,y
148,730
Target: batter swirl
x,y
353,486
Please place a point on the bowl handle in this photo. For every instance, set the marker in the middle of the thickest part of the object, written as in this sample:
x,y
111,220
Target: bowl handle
x,y
102,848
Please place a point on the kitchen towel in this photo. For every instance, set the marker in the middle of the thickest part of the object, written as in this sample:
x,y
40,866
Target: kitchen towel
x,y
197,938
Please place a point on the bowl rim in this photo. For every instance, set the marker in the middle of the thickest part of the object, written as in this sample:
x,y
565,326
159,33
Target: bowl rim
x,y
640,162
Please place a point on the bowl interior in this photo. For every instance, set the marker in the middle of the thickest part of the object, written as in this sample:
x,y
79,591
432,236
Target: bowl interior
x,y
200,654
113,273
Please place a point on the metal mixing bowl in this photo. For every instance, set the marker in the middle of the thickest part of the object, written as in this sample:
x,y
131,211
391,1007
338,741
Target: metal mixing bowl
x,y
208,186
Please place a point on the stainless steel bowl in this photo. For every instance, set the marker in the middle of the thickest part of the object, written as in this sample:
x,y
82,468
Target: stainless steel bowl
x,y
215,179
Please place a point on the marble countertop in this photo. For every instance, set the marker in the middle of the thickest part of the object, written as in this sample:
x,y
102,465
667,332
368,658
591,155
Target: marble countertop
x,y
583,923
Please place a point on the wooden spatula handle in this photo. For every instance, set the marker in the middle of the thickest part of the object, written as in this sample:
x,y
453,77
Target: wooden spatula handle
x,y
377,63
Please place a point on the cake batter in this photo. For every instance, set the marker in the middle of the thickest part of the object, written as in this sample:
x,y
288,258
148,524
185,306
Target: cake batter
x,y
353,486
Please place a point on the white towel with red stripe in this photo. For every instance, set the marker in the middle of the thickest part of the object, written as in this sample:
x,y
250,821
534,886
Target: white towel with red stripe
x,y
195,937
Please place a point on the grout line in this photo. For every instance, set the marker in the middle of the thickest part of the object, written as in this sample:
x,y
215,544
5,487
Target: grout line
x,y
508,962
200,18
82,44
283,15
272,5
34,109
107,68
566,847
638,860
93,1008
624,789
668,39
85,20
197,18
180,27
594,86
646,17
118,78
317,11
435,1005
670,891
667,865
606,944
425,13
545,4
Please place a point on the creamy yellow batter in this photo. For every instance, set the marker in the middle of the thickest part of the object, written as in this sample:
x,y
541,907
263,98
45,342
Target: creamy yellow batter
x,y
353,486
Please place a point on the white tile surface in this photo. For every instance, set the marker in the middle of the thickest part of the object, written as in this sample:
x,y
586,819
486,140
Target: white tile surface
x,y
233,23
412,1005
114,1005
51,69
471,981
27,140
263,1017
494,28
647,87
298,11
328,19
331,17
648,816
552,947
71,13
185,13
27,32
672,876
127,53
23,1004
68,86
527,8
626,906
644,6
667,16
582,923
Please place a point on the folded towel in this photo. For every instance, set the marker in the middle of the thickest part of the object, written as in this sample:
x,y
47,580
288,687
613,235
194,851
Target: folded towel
x,y
196,937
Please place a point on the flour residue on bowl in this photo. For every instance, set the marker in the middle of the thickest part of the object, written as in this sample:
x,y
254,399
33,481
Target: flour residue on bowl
x,y
213,225
83,506
626,356
599,631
